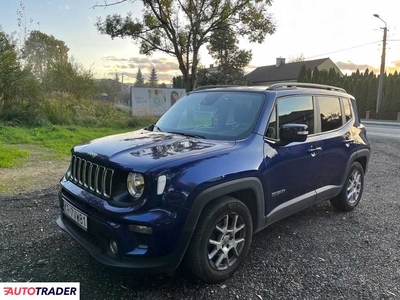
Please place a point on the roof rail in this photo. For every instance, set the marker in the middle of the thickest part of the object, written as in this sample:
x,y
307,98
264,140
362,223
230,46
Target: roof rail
x,y
206,87
282,85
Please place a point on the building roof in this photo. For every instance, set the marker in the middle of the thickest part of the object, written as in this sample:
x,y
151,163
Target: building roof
x,y
285,72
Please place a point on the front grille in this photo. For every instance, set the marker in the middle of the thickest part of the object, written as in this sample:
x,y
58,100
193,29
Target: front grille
x,y
91,176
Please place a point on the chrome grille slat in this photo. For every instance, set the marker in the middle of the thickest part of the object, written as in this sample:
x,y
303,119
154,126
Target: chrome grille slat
x,y
74,169
96,178
100,173
108,195
84,179
91,176
78,171
103,182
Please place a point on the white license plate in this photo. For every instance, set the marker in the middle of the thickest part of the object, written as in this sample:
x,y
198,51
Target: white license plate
x,y
75,215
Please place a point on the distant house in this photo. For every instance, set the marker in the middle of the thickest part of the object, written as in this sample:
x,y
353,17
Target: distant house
x,y
283,71
212,69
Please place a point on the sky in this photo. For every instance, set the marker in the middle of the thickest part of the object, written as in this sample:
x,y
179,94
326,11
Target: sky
x,y
312,28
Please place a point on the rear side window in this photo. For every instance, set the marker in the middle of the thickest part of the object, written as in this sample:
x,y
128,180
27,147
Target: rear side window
x,y
347,109
291,110
331,113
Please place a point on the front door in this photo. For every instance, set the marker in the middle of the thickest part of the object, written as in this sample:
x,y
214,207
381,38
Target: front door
x,y
291,171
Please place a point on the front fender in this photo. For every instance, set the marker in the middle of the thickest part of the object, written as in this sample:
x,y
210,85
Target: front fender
x,y
206,196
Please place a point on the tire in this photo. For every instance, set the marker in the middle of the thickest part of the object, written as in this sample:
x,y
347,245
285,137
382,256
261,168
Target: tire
x,y
353,186
216,261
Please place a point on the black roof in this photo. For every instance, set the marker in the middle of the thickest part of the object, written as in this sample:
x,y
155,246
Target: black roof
x,y
285,72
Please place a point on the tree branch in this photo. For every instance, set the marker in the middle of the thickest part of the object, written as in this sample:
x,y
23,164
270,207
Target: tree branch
x,y
111,4
155,47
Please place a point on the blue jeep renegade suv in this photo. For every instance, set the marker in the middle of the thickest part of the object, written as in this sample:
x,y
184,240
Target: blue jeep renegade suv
x,y
220,165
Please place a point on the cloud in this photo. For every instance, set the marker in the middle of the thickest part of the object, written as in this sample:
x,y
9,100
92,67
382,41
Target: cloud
x,y
396,64
120,67
145,63
139,60
249,68
350,66
160,64
114,58
166,67
130,76
66,7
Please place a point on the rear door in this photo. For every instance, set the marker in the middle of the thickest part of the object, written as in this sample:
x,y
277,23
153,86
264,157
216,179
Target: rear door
x,y
335,126
291,171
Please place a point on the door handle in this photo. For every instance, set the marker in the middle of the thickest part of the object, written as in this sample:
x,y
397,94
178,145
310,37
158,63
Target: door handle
x,y
312,150
347,141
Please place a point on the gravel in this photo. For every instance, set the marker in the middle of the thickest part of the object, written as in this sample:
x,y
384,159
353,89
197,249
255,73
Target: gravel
x,y
319,253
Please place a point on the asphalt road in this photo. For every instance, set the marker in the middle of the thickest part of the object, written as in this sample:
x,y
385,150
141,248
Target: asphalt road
x,y
319,253
390,131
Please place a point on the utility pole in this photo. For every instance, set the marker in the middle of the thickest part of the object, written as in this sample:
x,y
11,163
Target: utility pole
x,y
382,71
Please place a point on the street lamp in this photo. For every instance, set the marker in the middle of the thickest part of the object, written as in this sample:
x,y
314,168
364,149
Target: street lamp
x,y
382,71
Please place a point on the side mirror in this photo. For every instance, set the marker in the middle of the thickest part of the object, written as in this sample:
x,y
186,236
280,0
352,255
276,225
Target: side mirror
x,y
290,133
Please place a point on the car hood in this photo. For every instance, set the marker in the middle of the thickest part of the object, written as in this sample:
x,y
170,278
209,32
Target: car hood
x,y
142,150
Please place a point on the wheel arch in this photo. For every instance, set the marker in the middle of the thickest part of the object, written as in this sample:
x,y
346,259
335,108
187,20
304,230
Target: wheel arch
x,y
360,156
363,158
249,190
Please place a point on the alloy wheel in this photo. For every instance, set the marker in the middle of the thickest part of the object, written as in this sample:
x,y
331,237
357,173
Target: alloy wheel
x,y
354,187
226,241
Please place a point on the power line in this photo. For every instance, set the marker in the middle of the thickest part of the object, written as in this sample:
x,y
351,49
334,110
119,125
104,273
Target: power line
x,y
354,47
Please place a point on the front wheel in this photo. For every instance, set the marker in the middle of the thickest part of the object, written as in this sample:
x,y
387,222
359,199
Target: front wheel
x,y
220,241
352,190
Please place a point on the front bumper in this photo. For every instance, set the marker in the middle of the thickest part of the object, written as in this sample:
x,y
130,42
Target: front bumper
x,y
152,265
160,252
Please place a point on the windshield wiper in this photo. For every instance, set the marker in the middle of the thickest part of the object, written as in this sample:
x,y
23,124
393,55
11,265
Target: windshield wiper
x,y
156,127
188,134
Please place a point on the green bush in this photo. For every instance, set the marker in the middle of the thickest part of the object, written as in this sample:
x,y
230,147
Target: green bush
x,y
65,109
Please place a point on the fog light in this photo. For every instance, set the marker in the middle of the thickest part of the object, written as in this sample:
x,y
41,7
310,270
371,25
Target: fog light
x,y
113,247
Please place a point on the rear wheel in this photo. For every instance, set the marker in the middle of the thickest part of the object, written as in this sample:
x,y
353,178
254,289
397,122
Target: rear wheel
x,y
352,190
221,240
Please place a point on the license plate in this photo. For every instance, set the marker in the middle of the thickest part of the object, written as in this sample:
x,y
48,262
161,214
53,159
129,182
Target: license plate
x,y
75,215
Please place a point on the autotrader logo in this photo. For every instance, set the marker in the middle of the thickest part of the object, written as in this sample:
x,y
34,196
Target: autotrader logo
x,y
40,290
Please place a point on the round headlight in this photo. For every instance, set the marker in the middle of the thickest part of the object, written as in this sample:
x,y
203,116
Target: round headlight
x,y
135,184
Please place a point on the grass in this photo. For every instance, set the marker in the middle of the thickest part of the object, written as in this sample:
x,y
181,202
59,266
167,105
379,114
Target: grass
x,y
59,139
11,156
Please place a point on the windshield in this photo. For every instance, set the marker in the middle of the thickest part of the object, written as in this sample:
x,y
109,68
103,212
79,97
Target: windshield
x,y
213,115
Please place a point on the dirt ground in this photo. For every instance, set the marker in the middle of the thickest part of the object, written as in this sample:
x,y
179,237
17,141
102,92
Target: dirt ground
x,y
318,253
40,171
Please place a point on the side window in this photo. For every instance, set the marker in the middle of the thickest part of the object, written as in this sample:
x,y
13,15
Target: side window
x,y
298,110
347,109
331,114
